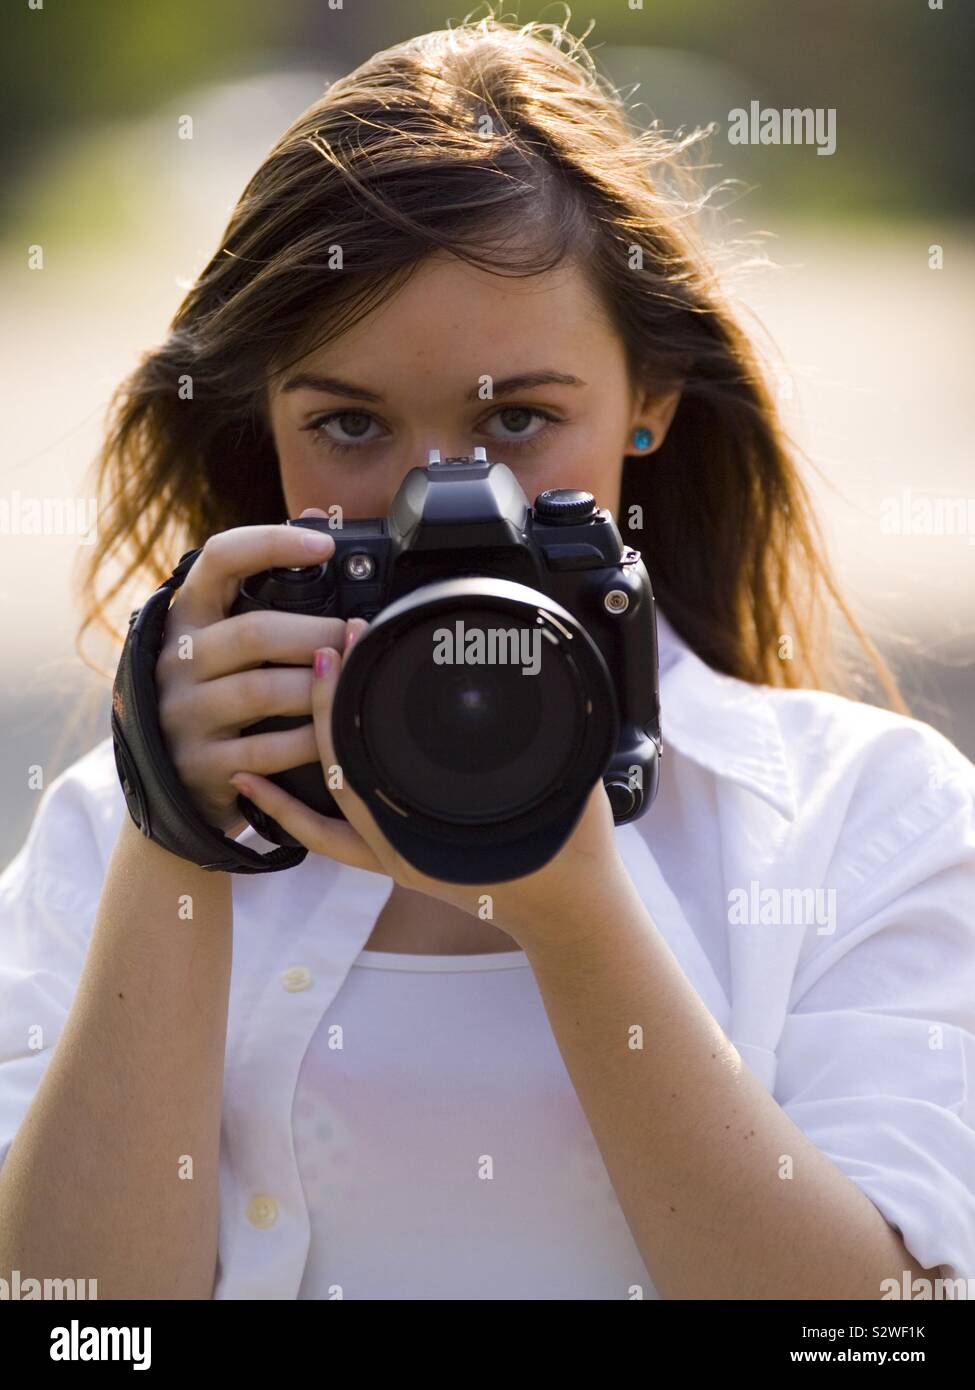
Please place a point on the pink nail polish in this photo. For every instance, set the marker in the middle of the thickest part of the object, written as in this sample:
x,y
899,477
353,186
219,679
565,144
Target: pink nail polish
x,y
322,661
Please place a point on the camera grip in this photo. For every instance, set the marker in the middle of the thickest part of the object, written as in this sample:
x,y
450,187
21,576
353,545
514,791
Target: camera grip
x,y
156,799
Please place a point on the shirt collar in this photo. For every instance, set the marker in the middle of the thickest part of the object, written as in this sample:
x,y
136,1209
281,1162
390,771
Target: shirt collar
x,y
725,725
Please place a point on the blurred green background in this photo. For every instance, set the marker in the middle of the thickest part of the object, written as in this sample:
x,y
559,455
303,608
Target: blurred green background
x,y
899,72
827,259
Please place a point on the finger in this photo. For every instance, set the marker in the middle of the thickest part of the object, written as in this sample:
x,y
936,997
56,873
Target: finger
x,y
322,699
229,703
228,557
335,838
250,639
212,762
264,753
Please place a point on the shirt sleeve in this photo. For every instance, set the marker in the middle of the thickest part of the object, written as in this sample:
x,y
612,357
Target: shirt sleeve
x,y
49,896
876,1062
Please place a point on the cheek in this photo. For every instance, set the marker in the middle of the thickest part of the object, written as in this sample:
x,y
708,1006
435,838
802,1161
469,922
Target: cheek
x,y
589,469
309,482
301,482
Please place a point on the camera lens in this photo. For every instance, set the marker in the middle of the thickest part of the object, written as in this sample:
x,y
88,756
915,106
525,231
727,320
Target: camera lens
x,y
473,714
473,717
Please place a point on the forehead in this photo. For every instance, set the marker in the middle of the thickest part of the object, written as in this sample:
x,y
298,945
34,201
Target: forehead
x,y
460,320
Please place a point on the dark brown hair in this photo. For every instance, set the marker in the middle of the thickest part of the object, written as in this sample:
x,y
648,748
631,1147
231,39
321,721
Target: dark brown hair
x,y
504,145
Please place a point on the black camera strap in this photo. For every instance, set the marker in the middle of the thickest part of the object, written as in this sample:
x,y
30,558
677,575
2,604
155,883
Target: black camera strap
x,y
157,801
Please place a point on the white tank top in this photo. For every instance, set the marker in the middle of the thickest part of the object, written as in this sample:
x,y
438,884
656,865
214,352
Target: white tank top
x,y
442,1149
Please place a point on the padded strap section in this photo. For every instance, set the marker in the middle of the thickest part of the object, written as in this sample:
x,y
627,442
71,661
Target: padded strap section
x,y
157,801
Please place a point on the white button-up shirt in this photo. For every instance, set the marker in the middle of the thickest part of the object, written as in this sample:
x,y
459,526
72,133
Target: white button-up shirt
x,y
809,860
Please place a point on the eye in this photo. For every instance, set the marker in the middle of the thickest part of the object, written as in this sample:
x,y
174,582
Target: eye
x,y
518,417
353,423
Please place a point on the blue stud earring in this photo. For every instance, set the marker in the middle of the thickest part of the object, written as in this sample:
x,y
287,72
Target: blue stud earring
x,y
642,437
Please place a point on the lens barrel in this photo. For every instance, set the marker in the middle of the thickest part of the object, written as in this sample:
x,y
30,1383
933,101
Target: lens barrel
x,y
474,711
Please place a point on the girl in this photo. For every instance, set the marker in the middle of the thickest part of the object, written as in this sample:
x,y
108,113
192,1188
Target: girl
x,y
722,1051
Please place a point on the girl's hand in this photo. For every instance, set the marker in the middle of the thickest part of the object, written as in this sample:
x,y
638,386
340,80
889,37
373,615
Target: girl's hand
x,y
210,677
558,902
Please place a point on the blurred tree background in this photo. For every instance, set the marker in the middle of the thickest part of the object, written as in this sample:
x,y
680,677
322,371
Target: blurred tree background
x,y
898,72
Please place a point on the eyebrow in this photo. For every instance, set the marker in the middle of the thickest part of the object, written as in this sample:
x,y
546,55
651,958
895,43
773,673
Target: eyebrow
x,y
523,382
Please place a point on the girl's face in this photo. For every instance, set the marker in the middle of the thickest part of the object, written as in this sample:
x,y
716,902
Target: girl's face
x,y
529,368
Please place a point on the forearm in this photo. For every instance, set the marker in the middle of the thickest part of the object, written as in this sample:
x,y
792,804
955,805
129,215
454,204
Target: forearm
x,y
94,1184
694,1145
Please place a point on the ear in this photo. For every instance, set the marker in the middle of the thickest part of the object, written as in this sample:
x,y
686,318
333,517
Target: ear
x,y
654,411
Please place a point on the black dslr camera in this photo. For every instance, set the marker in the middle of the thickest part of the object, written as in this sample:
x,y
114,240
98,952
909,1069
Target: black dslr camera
x,y
511,660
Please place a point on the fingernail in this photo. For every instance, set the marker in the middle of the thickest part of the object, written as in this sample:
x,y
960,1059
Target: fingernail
x,y
353,633
316,541
241,783
323,660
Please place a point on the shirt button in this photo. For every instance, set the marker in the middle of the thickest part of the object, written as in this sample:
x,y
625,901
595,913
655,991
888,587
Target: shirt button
x,y
263,1211
296,977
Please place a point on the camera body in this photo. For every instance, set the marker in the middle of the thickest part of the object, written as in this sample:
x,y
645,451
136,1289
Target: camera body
x,y
462,545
